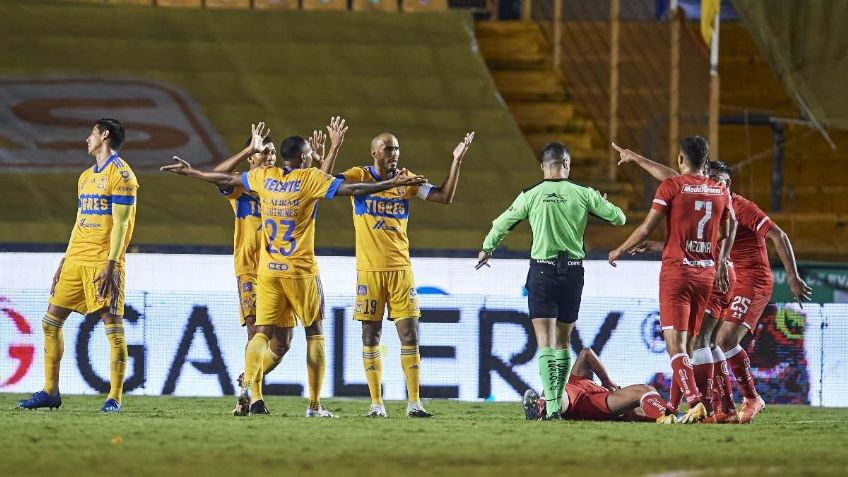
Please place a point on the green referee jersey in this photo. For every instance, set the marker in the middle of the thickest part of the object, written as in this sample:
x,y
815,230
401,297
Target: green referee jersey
x,y
557,210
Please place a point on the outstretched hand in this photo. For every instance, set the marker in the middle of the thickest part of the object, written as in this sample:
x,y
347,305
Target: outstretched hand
x,y
800,290
316,142
461,148
336,130
258,133
403,178
613,256
180,167
625,155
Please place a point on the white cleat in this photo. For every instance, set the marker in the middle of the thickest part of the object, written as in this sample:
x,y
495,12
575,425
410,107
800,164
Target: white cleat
x,y
318,411
243,403
376,410
416,409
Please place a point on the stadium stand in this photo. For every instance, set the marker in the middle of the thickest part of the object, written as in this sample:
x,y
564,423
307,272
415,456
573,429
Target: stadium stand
x,y
430,88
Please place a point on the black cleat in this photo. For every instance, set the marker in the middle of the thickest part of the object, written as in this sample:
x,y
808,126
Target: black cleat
x,y
531,405
258,407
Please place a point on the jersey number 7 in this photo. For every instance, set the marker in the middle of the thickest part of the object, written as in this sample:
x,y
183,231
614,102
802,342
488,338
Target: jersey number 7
x,y
707,207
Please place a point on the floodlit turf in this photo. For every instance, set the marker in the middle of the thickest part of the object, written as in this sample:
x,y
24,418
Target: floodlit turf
x,y
197,436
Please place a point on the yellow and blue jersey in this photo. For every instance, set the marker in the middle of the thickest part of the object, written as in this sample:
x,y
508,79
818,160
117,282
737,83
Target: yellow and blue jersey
x,y
247,232
98,190
288,206
380,220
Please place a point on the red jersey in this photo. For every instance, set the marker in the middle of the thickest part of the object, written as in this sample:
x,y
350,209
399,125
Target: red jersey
x,y
694,207
749,249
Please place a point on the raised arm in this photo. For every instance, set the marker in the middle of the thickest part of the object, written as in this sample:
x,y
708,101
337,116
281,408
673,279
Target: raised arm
x,y
336,130
655,169
638,236
800,290
258,133
444,193
401,179
501,226
224,180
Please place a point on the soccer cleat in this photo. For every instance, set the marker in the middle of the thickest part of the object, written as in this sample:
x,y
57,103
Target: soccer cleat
x,y
710,420
751,407
695,414
415,409
41,399
376,410
242,403
667,419
111,405
317,410
727,417
258,407
531,405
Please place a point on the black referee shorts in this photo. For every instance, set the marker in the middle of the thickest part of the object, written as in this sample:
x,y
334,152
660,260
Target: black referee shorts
x,y
552,295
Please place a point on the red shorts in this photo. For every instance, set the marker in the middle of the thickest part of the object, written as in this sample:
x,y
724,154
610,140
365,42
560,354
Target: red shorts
x,y
684,294
751,295
586,400
720,302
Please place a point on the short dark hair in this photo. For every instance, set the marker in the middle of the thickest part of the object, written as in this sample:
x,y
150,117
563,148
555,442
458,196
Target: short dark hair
x,y
116,131
268,140
292,147
696,150
554,152
722,167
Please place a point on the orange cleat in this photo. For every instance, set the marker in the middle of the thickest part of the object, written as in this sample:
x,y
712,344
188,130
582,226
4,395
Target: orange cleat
x,y
710,420
731,417
750,408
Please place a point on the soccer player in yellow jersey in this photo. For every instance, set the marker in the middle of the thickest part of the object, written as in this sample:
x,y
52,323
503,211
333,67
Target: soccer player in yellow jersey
x,y
288,284
383,269
90,278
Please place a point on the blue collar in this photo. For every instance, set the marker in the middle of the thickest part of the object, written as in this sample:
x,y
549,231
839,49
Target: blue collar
x,y
374,173
111,158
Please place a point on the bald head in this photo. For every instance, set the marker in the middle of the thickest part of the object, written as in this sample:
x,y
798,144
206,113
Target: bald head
x,y
385,150
383,139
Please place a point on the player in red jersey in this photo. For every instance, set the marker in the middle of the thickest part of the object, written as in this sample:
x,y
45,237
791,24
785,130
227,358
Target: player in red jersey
x,y
698,240
753,287
585,400
743,305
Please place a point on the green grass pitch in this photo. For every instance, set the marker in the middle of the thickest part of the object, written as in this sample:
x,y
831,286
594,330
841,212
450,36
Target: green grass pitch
x,y
169,436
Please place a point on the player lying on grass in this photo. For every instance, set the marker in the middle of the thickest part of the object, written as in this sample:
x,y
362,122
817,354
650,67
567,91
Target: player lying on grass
x,y
587,401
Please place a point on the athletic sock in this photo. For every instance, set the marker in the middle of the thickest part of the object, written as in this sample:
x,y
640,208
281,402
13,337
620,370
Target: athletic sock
x,y
315,366
738,360
721,382
702,364
653,405
270,360
674,396
54,348
117,360
373,372
563,362
410,360
253,370
548,372
684,375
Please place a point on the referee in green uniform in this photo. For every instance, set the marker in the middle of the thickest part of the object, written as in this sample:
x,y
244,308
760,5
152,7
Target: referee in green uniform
x,y
557,209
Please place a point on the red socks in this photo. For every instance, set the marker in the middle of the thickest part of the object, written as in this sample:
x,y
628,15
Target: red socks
x,y
722,390
653,405
738,360
684,377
